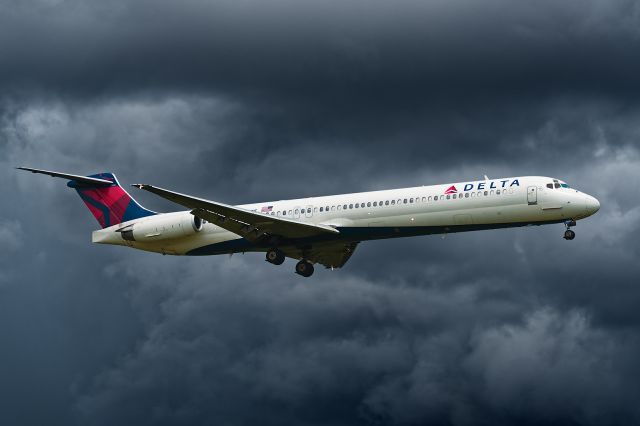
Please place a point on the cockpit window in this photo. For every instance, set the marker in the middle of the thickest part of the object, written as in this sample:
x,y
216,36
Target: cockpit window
x,y
550,185
564,185
557,185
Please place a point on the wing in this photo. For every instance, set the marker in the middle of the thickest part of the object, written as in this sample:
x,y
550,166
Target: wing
x,y
333,254
250,225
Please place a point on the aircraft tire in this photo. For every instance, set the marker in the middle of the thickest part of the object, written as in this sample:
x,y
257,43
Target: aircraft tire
x,y
569,235
275,256
304,268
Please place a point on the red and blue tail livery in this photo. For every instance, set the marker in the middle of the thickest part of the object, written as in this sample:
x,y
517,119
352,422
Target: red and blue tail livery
x,y
109,204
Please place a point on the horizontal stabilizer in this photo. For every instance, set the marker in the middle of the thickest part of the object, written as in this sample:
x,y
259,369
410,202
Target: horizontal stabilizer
x,y
77,178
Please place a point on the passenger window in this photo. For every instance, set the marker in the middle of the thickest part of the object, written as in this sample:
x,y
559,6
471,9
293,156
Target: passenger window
x,y
410,200
466,195
486,193
333,208
393,202
350,206
297,211
315,210
492,192
321,209
455,196
497,192
386,203
405,201
345,206
308,210
424,199
375,204
369,204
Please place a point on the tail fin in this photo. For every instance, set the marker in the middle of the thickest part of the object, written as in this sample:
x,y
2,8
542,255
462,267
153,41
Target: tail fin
x,y
109,203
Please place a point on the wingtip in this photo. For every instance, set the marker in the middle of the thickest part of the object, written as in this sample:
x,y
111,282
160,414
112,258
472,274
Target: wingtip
x,y
28,169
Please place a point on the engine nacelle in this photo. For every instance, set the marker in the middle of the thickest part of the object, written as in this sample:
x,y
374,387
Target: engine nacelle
x,y
164,227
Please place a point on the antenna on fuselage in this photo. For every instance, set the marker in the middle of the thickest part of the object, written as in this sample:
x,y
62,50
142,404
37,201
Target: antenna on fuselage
x,y
486,177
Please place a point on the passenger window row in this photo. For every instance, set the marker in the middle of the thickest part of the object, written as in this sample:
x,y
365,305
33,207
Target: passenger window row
x,y
384,203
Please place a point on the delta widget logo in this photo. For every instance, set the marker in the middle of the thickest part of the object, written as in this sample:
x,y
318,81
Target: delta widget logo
x,y
479,186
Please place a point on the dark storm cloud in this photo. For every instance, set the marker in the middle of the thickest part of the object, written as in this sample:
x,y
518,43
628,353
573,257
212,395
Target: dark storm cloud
x,y
246,101
425,74
359,51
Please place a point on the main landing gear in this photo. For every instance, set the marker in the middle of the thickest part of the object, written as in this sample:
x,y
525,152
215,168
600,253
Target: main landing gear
x,y
276,257
569,234
304,268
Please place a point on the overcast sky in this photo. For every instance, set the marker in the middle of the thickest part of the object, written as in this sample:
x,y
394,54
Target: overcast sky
x,y
245,101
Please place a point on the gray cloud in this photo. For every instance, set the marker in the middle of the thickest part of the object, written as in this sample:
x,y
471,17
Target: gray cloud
x,y
253,101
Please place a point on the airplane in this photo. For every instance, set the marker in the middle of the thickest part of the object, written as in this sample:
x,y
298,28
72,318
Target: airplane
x,y
324,230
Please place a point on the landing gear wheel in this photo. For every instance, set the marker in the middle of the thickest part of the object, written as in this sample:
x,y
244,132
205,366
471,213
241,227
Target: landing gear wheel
x,y
275,256
304,268
569,234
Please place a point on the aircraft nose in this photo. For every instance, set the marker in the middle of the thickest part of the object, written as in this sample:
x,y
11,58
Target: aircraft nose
x,y
592,205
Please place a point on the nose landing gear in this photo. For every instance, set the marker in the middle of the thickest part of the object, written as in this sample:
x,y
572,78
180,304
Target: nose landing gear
x,y
569,234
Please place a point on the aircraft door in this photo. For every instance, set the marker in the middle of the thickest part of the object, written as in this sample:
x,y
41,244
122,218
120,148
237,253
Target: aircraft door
x,y
308,211
532,195
296,212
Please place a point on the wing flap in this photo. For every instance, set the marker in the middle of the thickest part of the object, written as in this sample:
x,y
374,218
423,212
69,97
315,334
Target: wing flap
x,y
333,254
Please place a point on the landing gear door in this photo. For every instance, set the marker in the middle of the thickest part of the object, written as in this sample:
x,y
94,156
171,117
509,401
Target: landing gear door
x,y
532,195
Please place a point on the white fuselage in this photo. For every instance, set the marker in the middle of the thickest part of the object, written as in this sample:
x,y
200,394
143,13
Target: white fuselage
x,y
457,207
